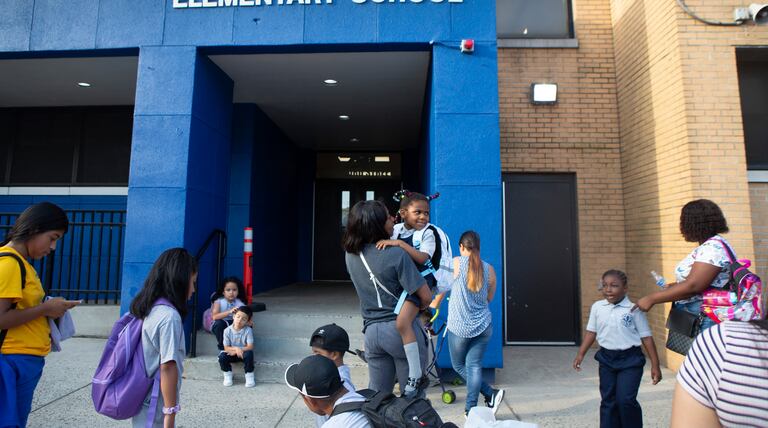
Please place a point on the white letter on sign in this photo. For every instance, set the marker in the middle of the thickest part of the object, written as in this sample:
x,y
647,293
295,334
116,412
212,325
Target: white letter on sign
x,y
177,4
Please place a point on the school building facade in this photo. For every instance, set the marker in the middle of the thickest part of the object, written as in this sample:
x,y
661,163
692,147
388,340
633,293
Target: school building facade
x,y
177,118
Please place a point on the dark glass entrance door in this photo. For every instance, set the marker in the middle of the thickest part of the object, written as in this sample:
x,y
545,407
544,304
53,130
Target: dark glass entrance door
x,y
333,199
541,259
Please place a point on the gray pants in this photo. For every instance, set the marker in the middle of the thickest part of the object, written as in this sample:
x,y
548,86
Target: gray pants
x,y
386,356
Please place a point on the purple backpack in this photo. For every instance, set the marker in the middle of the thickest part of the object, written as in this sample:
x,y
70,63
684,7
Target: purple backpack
x,y
121,382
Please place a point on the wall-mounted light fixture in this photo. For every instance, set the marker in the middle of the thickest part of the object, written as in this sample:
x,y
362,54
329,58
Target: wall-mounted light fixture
x,y
543,93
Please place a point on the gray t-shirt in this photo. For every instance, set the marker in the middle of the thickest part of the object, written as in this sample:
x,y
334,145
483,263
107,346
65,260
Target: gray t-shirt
x,y
162,337
238,339
162,340
394,269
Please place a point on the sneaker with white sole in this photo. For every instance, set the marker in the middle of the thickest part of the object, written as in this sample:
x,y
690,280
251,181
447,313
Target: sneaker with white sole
x,y
250,381
227,379
495,400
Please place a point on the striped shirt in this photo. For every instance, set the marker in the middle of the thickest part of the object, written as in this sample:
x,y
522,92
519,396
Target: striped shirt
x,y
727,370
468,313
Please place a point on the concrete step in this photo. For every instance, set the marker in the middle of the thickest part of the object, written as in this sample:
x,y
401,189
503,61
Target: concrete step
x,y
292,324
207,368
266,348
94,320
282,332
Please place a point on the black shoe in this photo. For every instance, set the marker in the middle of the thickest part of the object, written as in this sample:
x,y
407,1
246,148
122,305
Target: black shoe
x,y
494,401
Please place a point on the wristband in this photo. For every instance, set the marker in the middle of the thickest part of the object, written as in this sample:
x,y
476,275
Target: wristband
x,y
172,410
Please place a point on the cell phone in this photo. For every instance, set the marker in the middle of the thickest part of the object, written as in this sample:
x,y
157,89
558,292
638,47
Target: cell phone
x,y
77,302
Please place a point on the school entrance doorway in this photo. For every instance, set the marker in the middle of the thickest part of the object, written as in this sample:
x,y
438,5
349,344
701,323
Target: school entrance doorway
x,y
344,180
312,134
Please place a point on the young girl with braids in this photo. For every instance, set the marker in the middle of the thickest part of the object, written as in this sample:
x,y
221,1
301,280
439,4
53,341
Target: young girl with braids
x,y
619,331
469,320
423,243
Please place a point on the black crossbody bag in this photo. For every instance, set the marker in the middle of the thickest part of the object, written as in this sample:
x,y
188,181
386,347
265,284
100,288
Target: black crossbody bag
x,y
683,328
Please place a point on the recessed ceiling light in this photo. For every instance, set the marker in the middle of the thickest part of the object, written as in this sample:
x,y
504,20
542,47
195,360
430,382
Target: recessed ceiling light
x,y
354,140
84,84
344,158
343,117
330,82
381,158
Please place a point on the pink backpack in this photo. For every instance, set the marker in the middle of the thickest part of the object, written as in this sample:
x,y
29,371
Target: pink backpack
x,y
741,300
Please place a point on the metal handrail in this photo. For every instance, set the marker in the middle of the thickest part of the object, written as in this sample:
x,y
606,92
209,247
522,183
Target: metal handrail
x,y
221,252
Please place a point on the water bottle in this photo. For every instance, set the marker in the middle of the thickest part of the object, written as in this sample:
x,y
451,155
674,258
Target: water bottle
x,y
660,281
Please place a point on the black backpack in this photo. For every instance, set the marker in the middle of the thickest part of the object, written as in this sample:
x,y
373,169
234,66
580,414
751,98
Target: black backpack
x,y
385,410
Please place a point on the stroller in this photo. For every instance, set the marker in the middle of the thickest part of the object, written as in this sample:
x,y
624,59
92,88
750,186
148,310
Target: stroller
x,y
432,372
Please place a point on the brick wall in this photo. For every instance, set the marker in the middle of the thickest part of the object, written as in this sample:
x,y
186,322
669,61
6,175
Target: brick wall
x,y
758,196
579,134
681,133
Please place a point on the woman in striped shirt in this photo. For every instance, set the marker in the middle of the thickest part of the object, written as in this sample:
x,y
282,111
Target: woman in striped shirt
x,y
469,320
724,379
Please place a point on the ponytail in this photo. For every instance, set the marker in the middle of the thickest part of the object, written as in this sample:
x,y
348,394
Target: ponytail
x,y
470,240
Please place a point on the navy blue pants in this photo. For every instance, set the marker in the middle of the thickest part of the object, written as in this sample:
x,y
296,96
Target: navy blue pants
x,y
620,374
217,329
225,361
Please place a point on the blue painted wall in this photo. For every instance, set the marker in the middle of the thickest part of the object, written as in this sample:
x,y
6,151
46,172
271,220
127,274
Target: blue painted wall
x,y
170,203
180,159
271,191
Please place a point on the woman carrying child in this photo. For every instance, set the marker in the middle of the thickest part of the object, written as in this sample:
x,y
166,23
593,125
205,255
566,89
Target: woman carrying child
x,y
25,338
469,320
380,277
224,307
420,239
172,278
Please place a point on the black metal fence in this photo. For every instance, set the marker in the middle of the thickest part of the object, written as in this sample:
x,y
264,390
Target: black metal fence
x,y
87,263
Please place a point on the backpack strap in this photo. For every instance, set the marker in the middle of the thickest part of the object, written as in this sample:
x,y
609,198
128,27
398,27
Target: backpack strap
x,y
376,283
150,422
728,251
347,407
3,333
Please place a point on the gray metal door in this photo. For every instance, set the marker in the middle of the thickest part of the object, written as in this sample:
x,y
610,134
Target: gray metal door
x,y
541,259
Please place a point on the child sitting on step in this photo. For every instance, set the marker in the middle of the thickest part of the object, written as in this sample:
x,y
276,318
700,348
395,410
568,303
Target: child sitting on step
x,y
430,250
225,303
332,342
238,347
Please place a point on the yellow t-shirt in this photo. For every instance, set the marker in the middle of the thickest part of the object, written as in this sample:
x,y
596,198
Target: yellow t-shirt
x,y
33,337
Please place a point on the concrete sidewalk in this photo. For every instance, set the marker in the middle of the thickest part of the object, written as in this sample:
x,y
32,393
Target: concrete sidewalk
x,y
540,387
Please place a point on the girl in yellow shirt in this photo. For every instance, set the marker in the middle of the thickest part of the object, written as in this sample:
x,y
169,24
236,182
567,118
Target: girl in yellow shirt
x,y
24,333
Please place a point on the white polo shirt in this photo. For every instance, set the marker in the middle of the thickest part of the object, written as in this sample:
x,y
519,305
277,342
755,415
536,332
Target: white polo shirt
x,y
617,327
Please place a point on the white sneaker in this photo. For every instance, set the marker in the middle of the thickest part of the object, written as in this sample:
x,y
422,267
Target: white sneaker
x,y
250,382
227,379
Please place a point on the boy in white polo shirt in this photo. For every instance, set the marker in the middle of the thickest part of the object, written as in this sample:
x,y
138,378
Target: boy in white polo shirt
x,y
619,331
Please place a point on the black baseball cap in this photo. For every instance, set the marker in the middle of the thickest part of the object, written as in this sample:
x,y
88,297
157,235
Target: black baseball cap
x,y
315,377
331,338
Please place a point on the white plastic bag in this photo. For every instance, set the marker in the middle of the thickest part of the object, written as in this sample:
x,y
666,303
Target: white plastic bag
x,y
483,417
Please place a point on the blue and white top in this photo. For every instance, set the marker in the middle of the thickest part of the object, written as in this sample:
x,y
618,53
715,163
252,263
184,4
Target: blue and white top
x,y
225,305
710,252
468,312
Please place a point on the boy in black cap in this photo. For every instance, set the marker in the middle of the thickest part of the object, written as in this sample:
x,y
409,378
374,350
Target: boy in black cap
x,y
332,342
320,385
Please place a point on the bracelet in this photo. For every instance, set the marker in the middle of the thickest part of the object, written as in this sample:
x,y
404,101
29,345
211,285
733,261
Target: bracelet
x,y
172,410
